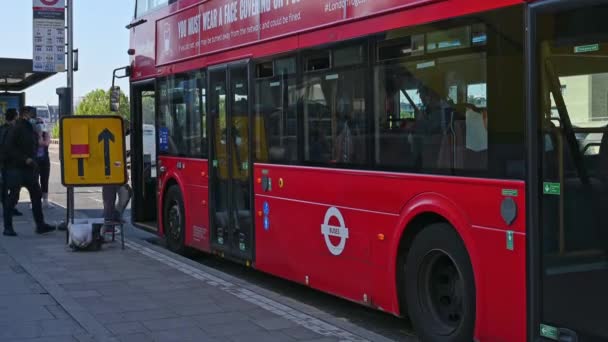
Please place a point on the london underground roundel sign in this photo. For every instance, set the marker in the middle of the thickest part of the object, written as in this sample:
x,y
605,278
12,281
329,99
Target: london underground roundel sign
x,y
340,231
49,4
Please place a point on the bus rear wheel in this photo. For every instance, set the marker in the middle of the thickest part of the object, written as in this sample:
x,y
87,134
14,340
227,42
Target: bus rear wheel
x,y
440,286
174,221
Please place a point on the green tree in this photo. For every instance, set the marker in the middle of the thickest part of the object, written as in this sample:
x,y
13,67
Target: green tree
x,y
148,107
97,102
55,131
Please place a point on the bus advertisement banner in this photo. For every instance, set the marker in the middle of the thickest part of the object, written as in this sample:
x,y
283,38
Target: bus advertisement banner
x,y
222,24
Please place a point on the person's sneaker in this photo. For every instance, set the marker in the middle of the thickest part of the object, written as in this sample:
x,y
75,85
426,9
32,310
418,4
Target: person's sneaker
x,y
17,213
45,228
9,232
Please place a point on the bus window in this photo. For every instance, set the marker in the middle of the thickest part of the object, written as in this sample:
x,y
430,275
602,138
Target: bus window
x,y
430,112
183,115
409,102
276,112
476,124
145,6
448,100
335,122
418,123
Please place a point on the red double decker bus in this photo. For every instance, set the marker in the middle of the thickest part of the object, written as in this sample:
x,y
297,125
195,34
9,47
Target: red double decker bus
x,y
443,160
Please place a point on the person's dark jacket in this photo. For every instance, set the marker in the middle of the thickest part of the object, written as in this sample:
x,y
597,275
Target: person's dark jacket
x,y
21,144
4,129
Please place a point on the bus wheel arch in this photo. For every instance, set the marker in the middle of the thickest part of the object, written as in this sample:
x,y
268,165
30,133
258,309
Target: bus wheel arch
x,y
441,300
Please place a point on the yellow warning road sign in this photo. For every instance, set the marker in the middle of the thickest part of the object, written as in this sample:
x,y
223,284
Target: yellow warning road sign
x,y
92,151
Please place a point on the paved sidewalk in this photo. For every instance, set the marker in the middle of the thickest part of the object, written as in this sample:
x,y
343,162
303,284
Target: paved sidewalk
x,y
49,293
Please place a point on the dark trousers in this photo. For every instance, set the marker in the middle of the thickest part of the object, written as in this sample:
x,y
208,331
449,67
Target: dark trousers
x,y
44,169
14,179
109,193
4,191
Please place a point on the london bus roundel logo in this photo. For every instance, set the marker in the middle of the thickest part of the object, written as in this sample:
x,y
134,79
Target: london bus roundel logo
x,y
50,2
336,231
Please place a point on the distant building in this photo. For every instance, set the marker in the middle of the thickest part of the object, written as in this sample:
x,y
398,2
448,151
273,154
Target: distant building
x,y
586,99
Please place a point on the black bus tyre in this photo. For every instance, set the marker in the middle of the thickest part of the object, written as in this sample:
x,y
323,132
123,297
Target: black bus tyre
x,y
440,286
174,220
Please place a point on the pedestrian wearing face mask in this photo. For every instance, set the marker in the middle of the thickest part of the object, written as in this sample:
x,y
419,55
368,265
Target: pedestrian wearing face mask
x,y
21,170
43,161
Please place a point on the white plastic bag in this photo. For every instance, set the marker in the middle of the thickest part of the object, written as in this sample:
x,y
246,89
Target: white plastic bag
x,y
84,234
81,235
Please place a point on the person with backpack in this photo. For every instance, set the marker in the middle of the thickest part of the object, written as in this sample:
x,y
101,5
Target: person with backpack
x,y
10,117
20,170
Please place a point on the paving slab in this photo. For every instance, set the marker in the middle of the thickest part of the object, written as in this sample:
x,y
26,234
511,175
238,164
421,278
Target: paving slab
x,y
50,293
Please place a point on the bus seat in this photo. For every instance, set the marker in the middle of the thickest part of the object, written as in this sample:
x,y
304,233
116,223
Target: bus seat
x,y
445,152
454,154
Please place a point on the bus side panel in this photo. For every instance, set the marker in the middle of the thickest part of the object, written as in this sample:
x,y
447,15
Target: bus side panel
x,y
166,178
499,267
502,288
290,242
375,208
196,178
193,184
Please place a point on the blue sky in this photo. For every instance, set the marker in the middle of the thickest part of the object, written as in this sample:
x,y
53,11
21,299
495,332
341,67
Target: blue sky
x,y
100,36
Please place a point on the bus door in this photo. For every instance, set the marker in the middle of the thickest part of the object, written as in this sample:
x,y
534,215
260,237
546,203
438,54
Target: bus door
x,y
230,161
571,109
143,155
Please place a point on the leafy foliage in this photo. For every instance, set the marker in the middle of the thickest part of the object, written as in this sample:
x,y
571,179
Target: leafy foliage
x,y
97,102
55,131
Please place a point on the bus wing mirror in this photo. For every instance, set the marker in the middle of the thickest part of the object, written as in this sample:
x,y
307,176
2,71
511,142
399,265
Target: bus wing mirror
x,y
115,90
115,99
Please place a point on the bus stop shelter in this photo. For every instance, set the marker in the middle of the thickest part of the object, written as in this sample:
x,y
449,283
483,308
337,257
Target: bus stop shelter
x,y
16,75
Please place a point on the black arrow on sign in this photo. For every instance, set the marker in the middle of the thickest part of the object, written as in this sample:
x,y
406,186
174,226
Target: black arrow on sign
x,y
106,136
80,167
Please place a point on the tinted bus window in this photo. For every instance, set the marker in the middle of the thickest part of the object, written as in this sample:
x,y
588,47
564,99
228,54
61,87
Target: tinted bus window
x,y
334,112
145,6
182,115
420,126
275,113
455,106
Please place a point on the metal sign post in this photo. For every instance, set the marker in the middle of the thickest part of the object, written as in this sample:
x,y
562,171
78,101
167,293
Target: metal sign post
x,y
70,86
